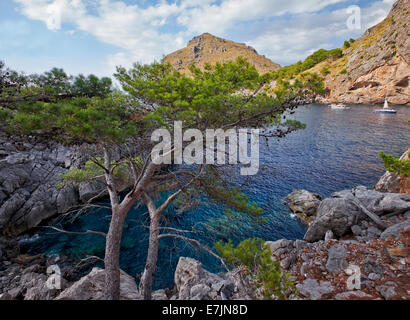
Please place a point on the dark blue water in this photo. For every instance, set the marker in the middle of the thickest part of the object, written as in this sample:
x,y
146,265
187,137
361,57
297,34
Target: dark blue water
x,y
337,150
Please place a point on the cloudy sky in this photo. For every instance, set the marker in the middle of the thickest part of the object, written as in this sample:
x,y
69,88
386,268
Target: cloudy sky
x,y
93,36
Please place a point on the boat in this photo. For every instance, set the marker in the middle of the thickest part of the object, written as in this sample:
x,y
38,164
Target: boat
x,y
338,106
385,108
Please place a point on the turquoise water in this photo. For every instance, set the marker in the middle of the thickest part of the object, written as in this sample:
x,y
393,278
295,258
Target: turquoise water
x,y
337,150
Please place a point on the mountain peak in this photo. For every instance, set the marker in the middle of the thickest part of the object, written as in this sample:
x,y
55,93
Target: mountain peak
x,y
207,48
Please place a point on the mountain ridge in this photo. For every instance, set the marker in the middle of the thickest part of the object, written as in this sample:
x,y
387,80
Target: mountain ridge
x,y
207,48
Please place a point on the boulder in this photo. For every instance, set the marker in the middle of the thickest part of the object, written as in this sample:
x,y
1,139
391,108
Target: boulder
x,y
304,203
91,287
336,259
195,283
345,209
335,214
382,203
314,290
395,230
387,291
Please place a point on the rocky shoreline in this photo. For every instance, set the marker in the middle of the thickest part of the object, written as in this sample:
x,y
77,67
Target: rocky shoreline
x,y
366,228
340,237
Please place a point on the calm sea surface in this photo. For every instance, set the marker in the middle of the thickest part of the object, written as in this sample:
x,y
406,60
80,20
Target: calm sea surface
x,y
337,150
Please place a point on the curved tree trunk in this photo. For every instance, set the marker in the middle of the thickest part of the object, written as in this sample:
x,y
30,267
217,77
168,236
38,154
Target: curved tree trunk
x,y
112,256
152,257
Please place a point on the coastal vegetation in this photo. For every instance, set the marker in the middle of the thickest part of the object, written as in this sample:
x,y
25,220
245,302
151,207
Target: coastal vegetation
x,y
83,109
254,258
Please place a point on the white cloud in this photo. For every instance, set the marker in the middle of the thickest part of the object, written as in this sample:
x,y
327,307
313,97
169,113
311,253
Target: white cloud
x,y
287,42
219,18
146,33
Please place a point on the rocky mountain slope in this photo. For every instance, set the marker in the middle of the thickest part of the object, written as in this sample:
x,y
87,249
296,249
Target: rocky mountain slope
x,y
208,48
375,65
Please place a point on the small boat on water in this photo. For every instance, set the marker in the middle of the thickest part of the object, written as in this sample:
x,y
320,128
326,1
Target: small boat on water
x,y
386,108
338,106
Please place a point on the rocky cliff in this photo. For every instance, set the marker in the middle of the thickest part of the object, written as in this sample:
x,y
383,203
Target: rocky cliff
x,y
376,65
31,167
207,48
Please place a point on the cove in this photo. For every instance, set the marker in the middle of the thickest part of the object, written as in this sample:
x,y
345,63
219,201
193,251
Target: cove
x,y
337,150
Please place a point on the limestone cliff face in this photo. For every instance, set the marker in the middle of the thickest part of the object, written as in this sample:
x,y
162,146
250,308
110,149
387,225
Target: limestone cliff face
x,y
376,64
208,48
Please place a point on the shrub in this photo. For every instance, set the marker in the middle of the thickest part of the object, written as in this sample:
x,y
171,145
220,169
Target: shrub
x,y
395,165
325,70
256,258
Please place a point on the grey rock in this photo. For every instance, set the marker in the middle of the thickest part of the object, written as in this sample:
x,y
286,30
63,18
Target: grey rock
x,y
30,170
389,182
374,276
386,291
341,211
382,203
303,202
300,244
200,292
314,290
188,274
280,244
288,261
91,287
336,214
14,293
373,232
336,259
5,296
371,266
159,295
89,190
395,230
356,230
353,295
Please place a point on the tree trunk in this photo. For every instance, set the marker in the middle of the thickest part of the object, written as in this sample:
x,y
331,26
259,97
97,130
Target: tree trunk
x,y
152,257
112,256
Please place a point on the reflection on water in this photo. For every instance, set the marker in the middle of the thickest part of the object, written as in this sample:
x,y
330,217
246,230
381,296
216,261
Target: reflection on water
x,y
337,150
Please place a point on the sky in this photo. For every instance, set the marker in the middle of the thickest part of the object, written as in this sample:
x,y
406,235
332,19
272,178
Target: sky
x,y
95,36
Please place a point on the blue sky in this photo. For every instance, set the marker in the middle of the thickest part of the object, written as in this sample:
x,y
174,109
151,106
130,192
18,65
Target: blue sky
x,y
93,36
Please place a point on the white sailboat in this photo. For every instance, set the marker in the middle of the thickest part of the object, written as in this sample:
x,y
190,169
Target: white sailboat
x,y
338,106
386,108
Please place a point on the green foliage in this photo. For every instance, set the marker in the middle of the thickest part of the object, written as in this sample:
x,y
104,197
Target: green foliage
x,y
222,192
93,169
207,99
325,70
256,258
289,72
91,86
85,119
5,114
395,165
312,82
52,86
346,44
